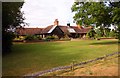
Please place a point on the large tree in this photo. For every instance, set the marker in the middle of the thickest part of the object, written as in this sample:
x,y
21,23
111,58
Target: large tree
x,y
116,16
87,13
101,14
11,18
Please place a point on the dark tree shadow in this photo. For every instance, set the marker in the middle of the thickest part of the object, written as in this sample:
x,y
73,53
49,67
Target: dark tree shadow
x,y
105,43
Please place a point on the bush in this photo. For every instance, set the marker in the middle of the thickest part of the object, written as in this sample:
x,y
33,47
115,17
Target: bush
x,y
91,34
65,39
56,37
114,34
97,38
19,38
32,37
50,37
38,37
29,37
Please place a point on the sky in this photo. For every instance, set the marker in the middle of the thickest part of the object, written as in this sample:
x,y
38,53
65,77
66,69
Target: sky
x,y
42,13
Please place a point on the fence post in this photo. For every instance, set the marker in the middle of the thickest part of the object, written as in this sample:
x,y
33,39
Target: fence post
x,y
105,57
72,65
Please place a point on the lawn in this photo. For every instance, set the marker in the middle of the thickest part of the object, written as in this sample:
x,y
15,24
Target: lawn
x,y
28,58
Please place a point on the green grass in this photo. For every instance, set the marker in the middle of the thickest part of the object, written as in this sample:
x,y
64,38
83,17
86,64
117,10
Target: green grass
x,y
33,57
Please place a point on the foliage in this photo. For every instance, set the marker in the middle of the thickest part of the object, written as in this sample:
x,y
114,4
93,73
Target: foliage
x,y
114,34
91,33
32,37
11,18
106,32
115,16
50,37
102,32
7,39
53,37
99,33
97,13
39,37
87,13
65,39
115,6
17,37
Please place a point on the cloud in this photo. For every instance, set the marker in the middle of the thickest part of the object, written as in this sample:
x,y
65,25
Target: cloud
x,y
41,13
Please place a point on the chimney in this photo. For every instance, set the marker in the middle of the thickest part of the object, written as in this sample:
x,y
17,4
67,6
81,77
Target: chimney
x,y
56,22
80,27
90,27
68,24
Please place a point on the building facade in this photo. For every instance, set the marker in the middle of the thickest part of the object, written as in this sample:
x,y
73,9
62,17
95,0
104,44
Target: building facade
x,y
55,29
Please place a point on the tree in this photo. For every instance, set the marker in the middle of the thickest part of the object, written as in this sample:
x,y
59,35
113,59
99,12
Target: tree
x,y
113,33
99,13
87,13
102,32
115,6
91,33
11,17
107,32
99,32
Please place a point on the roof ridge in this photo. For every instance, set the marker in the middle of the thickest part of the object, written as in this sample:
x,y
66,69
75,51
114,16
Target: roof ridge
x,y
31,28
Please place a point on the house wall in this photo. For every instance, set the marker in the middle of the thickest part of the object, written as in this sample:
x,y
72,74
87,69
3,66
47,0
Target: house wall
x,y
73,35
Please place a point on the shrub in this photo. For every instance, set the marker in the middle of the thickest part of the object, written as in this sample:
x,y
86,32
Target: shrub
x,y
31,37
19,38
56,37
65,39
91,34
50,37
38,37
114,34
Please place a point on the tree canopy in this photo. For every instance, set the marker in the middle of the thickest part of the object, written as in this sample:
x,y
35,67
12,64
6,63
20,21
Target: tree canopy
x,y
101,14
11,14
11,18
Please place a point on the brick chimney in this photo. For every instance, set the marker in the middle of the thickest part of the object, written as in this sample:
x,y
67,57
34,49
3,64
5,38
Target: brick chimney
x,y
56,22
80,27
90,27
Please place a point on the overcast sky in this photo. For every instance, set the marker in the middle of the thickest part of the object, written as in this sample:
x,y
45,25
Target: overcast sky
x,y
41,13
